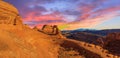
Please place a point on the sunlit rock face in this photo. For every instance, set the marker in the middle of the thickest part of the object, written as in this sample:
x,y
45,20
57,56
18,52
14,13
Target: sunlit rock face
x,y
19,41
8,13
52,30
49,29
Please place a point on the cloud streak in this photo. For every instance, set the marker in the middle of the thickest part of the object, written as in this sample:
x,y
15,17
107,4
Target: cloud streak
x,y
73,13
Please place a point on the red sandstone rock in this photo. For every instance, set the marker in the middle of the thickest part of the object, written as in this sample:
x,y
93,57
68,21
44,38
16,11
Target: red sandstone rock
x,y
112,43
52,30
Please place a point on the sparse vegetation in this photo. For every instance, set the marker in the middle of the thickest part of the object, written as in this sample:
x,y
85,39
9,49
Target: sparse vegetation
x,y
72,46
69,53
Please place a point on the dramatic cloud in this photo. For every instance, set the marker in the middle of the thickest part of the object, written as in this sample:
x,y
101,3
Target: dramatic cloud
x,y
72,14
37,19
89,23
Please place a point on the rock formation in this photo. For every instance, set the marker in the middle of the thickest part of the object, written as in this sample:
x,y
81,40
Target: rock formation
x,y
9,14
113,36
49,29
52,30
112,42
36,28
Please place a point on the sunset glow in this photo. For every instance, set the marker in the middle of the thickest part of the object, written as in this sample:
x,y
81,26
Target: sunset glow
x,y
70,14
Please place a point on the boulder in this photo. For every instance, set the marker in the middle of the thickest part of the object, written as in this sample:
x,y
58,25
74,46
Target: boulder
x,y
36,28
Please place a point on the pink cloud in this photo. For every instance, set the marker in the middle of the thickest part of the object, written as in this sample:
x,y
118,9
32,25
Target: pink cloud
x,y
54,18
89,23
35,17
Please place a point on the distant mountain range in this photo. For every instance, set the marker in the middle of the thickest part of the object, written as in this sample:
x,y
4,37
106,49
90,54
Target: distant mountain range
x,y
93,31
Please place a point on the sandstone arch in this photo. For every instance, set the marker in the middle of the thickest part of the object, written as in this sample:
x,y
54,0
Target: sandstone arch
x,y
51,30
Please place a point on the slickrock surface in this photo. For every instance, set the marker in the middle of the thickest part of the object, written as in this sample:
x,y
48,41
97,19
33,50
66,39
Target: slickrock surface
x,y
8,13
19,41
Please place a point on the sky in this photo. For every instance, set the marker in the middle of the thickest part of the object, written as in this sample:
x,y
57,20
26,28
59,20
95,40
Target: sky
x,y
70,14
